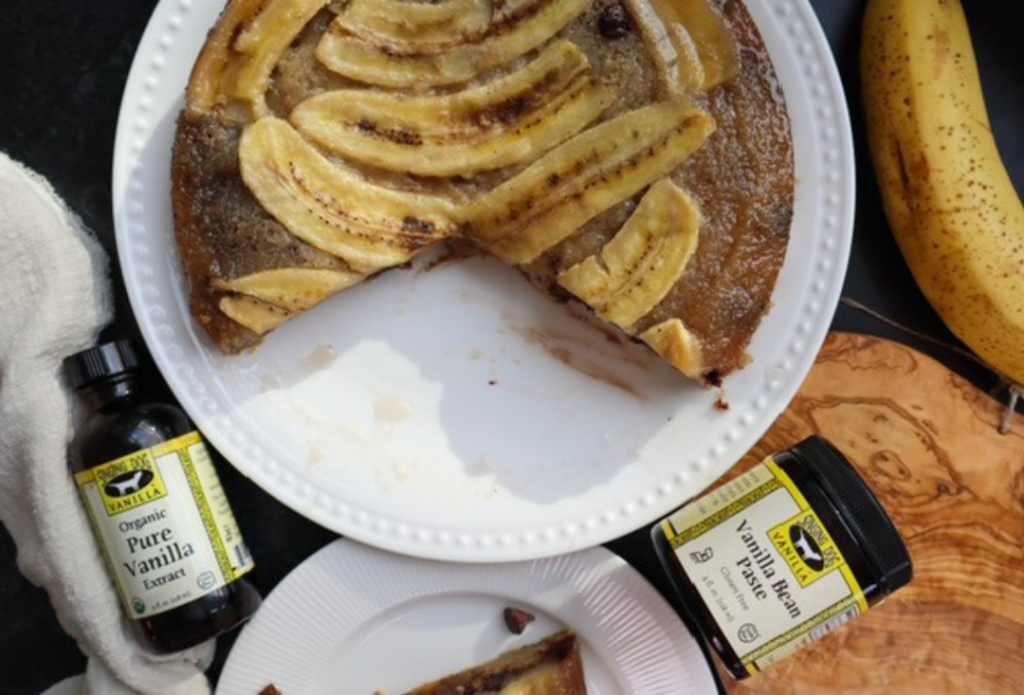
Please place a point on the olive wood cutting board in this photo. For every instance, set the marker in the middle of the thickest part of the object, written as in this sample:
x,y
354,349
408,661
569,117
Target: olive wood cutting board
x,y
926,442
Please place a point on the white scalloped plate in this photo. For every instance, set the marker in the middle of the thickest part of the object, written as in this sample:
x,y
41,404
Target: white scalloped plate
x,y
451,411
358,620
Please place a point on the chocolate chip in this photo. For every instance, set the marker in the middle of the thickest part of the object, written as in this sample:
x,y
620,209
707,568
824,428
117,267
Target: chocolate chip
x,y
614,22
517,619
713,378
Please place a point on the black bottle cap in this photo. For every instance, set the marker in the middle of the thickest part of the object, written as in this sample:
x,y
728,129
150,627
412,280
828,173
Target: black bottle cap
x,y
109,359
860,508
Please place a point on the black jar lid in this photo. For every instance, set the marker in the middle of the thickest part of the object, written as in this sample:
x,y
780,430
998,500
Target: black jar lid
x,y
862,511
102,361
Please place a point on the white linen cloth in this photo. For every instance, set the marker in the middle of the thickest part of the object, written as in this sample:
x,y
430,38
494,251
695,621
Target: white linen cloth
x,y
54,299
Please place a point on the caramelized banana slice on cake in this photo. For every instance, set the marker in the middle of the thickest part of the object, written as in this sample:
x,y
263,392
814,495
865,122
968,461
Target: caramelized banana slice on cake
x,y
643,261
692,78
414,26
456,115
583,177
258,316
509,120
334,209
504,41
292,289
233,70
672,51
677,345
699,24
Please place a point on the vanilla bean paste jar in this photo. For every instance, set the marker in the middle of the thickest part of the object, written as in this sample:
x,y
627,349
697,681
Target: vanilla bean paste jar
x,y
781,555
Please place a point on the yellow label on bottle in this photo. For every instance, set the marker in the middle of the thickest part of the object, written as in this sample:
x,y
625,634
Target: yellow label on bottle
x,y
164,524
765,565
128,482
806,547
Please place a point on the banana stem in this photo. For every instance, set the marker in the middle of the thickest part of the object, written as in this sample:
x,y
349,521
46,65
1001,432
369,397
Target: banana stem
x,y
1014,392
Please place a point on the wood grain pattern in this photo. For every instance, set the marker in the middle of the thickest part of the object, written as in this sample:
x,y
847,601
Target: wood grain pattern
x,y
925,441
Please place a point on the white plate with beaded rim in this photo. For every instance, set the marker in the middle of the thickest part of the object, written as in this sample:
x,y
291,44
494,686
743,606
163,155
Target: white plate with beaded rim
x,y
456,414
369,620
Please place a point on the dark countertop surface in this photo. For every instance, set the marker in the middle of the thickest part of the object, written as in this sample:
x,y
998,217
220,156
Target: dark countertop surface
x,y
63,67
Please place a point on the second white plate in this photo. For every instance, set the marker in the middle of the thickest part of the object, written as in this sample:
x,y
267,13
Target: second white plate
x,y
356,620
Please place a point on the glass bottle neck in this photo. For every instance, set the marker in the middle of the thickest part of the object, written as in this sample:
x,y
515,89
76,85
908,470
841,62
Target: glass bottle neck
x,y
107,391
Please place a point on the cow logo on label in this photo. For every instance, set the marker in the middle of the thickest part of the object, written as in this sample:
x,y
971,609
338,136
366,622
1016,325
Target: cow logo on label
x,y
807,548
803,542
128,483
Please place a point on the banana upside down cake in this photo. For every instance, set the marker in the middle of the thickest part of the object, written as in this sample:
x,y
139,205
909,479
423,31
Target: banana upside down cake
x,y
632,155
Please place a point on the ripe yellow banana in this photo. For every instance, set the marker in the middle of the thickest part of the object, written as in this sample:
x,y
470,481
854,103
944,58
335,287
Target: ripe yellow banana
x,y
949,200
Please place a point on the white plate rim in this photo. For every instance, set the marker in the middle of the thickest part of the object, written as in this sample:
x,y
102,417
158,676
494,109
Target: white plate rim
x,y
619,617
825,210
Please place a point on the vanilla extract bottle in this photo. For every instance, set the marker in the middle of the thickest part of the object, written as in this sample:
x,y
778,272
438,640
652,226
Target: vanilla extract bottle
x,y
156,505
